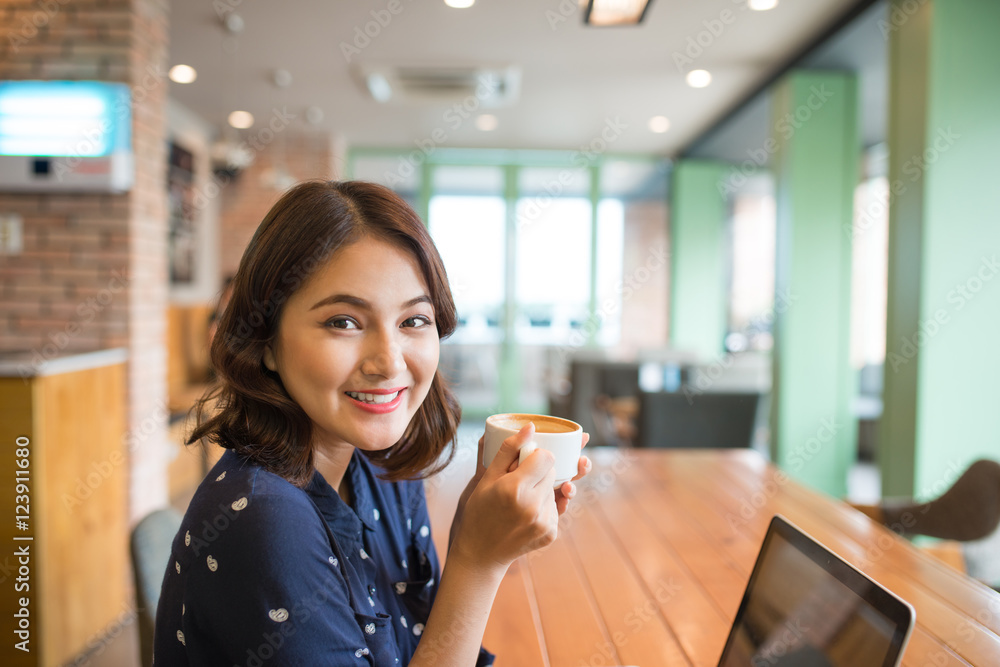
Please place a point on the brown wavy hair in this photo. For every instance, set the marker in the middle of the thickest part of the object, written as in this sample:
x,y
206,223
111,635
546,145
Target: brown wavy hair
x,y
249,410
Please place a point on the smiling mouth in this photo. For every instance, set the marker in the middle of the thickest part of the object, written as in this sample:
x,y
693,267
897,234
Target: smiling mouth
x,y
374,399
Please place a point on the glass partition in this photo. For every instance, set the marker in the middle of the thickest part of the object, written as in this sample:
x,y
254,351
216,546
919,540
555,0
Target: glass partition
x,y
546,259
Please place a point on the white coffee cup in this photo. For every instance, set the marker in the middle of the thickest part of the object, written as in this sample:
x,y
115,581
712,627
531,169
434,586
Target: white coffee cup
x,y
562,437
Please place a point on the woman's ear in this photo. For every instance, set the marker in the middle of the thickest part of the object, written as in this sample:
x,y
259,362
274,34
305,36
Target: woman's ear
x,y
269,360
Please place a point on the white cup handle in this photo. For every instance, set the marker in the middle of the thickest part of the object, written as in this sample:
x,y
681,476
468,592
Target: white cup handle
x,y
525,451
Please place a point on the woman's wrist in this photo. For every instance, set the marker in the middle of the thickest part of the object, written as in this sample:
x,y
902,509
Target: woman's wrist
x,y
468,561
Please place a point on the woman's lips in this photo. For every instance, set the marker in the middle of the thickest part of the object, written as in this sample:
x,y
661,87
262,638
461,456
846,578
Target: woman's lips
x,y
378,401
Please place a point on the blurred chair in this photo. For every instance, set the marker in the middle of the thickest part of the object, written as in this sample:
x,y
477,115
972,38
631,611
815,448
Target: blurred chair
x,y
967,512
615,419
150,546
685,419
590,378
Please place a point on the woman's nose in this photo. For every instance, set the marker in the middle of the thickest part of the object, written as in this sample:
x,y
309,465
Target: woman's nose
x,y
383,356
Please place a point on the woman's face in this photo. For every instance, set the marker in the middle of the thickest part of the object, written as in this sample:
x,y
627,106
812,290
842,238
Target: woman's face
x,y
357,346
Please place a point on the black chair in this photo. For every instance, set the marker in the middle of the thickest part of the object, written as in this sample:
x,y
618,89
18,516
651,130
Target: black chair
x,y
685,419
150,545
967,512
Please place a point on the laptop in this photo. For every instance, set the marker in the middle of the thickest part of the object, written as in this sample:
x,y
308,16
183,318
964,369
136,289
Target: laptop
x,y
804,605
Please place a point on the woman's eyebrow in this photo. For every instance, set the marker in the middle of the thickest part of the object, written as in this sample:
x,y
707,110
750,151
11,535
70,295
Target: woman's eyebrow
x,y
361,303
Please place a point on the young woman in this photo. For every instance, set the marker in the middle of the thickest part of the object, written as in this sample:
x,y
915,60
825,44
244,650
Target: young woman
x,y
309,542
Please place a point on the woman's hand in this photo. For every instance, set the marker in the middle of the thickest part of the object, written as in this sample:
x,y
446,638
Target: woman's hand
x,y
505,465
509,510
567,490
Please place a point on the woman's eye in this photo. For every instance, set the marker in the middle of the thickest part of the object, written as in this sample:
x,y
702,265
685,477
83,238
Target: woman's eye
x,y
342,323
417,321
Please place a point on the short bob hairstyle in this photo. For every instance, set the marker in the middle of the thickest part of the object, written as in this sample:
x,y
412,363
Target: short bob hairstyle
x,y
248,410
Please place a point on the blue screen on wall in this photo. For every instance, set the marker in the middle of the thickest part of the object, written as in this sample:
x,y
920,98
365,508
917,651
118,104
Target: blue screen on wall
x,y
64,118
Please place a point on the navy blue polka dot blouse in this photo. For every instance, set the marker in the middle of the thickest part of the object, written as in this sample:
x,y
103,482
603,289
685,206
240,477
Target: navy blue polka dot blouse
x,y
264,573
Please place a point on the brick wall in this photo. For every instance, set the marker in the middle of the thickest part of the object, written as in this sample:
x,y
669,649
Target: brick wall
x,y
93,271
247,197
645,312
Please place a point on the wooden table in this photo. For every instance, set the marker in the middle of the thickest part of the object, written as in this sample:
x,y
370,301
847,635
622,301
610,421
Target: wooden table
x,y
655,552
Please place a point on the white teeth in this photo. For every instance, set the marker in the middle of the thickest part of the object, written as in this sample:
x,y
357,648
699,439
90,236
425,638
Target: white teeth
x,y
373,398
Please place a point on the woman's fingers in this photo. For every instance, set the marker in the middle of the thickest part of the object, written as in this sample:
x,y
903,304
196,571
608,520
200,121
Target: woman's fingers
x,y
583,467
509,451
538,467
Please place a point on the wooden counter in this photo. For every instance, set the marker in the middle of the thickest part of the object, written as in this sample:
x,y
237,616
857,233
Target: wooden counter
x,y
655,552
70,414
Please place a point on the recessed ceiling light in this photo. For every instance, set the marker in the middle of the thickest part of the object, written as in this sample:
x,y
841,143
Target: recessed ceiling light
x,y
234,23
282,78
698,78
659,124
460,4
762,5
314,115
486,122
182,74
241,120
379,87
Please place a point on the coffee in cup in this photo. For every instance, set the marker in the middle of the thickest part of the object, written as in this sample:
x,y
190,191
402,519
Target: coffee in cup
x,y
562,437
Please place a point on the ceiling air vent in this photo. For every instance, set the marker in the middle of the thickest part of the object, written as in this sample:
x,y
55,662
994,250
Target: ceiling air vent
x,y
413,84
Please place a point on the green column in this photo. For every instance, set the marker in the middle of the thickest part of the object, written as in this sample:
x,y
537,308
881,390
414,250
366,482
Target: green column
x,y
697,239
944,244
816,150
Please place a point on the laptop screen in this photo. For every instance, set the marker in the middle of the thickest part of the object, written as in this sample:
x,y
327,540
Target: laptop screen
x,y
804,605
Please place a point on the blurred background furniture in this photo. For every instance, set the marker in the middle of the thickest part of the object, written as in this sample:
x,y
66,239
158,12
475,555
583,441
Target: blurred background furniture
x,y
867,407
689,419
150,547
591,378
967,513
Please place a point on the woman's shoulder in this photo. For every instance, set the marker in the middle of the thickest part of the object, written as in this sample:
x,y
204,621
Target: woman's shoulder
x,y
239,501
236,475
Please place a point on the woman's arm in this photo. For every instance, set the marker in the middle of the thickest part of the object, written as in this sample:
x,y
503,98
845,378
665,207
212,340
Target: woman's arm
x,y
507,514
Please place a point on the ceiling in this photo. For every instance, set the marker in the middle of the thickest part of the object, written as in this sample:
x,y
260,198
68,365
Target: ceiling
x,y
859,47
576,81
